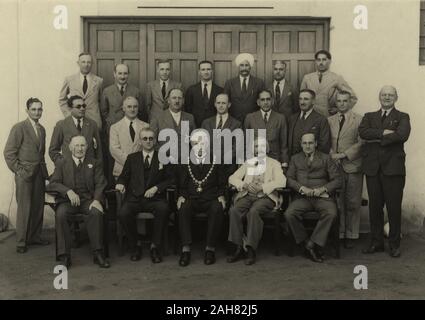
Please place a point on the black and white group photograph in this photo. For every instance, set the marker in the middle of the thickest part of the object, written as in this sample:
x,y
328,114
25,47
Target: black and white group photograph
x,y
196,151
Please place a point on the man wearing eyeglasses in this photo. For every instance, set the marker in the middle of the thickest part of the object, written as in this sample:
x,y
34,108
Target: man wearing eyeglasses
x,y
275,125
75,124
144,181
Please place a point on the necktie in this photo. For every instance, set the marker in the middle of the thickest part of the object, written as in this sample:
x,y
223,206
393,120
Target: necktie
x,y
384,116
302,115
85,85
122,91
277,94
79,125
220,122
244,90
147,162
80,164
38,131
341,122
320,77
205,93
265,117
132,132
164,92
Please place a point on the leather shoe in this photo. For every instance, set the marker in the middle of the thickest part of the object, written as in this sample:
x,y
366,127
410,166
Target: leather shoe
x,y
65,260
237,255
395,252
100,260
40,242
21,249
184,259
250,256
209,257
312,255
136,255
155,256
373,248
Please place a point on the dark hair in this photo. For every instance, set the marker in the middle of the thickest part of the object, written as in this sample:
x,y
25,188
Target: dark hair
x,y
264,90
344,92
77,136
325,52
311,92
280,61
204,61
169,92
223,94
163,61
31,100
71,100
85,54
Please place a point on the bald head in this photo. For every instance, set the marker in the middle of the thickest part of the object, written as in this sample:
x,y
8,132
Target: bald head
x,y
388,97
121,72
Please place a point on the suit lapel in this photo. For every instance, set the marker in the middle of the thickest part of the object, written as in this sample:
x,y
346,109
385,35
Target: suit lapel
x,y
139,167
237,85
69,171
30,130
154,168
348,123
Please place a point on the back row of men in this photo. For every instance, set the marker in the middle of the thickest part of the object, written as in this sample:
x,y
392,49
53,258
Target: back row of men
x,y
343,136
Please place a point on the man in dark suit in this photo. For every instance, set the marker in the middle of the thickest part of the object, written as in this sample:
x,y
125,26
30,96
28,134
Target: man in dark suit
x,y
314,177
222,121
75,124
275,125
80,182
308,120
175,120
385,131
24,155
201,184
284,95
114,95
243,90
144,180
200,97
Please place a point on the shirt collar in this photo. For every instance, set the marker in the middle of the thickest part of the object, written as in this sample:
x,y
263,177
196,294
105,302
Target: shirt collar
x,y
166,82
263,112
121,85
281,83
145,153
82,76
307,113
346,115
388,111
76,120
76,160
323,73
312,155
33,123
127,121
209,83
247,78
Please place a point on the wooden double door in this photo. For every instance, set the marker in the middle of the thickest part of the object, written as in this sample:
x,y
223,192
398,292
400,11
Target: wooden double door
x,y
140,45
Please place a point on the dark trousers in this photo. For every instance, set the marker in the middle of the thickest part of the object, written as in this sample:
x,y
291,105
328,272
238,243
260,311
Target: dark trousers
x,y
93,219
388,191
214,211
132,206
30,200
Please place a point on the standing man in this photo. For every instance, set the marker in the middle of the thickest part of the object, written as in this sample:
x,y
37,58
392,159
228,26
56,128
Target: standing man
x,y
308,120
24,155
157,91
144,180
124,137
200,184
200,97
75,124
274,123
284,95
243,90
326,84
86,85
385,131
80,182
345,151
315,178
114,95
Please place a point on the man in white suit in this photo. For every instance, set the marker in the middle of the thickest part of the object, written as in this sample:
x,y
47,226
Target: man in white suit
x,y
86,85
157,90
346,145
256,181
124,136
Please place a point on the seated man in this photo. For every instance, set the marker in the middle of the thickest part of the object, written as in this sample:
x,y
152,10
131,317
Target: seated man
x,y
201,185
314,176
144,180
256,180
80,182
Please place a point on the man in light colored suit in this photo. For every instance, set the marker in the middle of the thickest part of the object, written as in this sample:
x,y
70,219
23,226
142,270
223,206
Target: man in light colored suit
x,y
24,155
114,95
158,90
326,85
285,96
172,119
345,150
274,123
75,124
256,181
124,136
243,90
86,85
